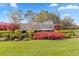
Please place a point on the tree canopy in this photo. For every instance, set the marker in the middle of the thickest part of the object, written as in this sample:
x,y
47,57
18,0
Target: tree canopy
x,y
15,15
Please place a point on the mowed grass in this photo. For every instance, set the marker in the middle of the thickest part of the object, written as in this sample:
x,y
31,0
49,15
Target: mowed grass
x,y
66,47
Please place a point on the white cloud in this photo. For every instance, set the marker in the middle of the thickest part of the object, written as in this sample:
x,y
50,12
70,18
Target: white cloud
x,y
53,5
72,7
66,14
13,5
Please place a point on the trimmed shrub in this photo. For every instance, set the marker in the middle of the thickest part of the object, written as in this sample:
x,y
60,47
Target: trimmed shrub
x,y
24,35
57,26
9,26
4,39
55,35
67,35
26,39
65,32
13,35
40,35
4,34
30,33
18,31
62,31
18,34
48,35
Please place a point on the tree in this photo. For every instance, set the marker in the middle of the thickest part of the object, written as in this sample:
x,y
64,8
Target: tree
x,y
15,15
42,16
67,22
55,18
29,15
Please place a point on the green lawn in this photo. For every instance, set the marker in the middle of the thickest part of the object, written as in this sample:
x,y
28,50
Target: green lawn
x,y
40,48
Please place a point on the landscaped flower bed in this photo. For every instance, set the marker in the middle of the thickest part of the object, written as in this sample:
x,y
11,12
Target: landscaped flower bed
x,y
18,35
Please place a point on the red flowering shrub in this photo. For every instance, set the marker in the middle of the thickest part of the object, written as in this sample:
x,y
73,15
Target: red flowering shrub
x,y
57,26
9,26
40,35
48,35
56,35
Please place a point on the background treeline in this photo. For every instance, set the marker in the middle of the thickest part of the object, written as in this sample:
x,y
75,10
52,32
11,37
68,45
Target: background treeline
x,y
17,16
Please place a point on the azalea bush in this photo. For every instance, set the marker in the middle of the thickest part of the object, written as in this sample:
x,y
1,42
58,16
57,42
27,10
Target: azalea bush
x,y
9,26
48,35
40,35
57,26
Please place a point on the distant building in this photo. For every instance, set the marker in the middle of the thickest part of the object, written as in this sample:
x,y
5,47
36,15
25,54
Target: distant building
x,y
48,25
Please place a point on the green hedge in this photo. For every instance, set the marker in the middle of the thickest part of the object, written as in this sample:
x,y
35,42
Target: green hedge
x,y
68,33
13,35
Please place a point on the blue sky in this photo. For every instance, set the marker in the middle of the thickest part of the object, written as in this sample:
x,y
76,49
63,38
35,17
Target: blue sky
x,y
64,9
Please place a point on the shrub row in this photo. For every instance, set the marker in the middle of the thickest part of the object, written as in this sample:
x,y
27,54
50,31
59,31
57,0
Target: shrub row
x,y
48,35
16,35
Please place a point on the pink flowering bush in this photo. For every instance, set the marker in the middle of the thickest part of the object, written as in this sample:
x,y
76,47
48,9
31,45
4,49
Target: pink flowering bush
x,y
48,35
39,35
57,26
9,26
